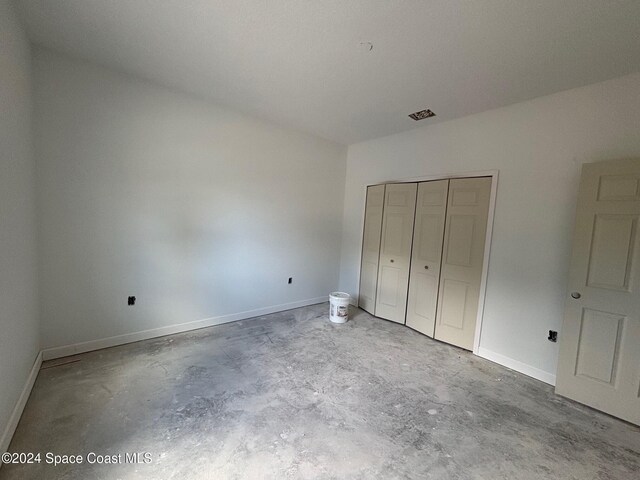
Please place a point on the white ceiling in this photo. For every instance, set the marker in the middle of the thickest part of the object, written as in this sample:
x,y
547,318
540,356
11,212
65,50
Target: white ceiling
x,y
300,63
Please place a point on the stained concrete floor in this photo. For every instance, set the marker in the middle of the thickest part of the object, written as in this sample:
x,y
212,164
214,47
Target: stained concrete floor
x,y
291,395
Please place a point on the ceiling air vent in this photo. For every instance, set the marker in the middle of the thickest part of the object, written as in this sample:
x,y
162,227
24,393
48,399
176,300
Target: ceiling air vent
x,y
422,114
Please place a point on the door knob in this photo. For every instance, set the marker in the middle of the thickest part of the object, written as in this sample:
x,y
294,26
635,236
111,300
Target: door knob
x,y
575,295
426,267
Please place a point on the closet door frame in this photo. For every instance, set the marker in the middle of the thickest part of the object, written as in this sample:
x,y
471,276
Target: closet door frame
x,y
487,245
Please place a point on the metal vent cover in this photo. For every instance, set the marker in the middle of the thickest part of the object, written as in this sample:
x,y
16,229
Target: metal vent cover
x,y
422,114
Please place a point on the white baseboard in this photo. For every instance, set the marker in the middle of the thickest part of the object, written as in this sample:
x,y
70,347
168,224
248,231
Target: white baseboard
x,y
57,352
20,404
518,366
66,350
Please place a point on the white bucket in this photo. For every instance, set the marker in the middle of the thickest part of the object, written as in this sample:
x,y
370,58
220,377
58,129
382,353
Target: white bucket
x,y
339,307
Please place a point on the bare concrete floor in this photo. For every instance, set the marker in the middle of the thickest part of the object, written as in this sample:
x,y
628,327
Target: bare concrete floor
x,y
291,395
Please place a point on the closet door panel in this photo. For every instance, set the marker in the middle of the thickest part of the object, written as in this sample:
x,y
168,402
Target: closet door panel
x,y
395,251
462,259
371,248
426,256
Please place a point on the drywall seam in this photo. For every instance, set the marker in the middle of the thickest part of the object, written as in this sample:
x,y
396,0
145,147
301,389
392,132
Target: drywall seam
x,y
73,349
20,404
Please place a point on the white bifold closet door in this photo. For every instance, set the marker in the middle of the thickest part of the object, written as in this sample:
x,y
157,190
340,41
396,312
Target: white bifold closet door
x,y
462,260
426,255
371,248
395,251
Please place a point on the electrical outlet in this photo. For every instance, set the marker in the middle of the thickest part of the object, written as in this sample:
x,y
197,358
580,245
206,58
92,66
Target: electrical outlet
x,y
553,336
290,280
131,301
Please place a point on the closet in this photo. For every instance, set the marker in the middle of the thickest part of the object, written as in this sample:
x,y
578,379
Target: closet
x,y
423,253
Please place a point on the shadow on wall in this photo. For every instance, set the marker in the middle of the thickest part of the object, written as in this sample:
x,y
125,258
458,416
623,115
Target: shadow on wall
x,y
191,255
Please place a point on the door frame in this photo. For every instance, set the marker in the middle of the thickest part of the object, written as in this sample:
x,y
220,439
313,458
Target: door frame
x,y
487,245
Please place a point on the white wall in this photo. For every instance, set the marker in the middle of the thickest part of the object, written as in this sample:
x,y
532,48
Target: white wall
x,y
18,305
196,210
538,147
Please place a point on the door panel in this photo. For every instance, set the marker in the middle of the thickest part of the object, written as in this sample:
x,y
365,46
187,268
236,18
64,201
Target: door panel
x,y
368,285
463,256
611,251
599,343
395,251
426,298
395,233
454,301
390,283
371,248
428,237
426,255
599,362
618,187
460,237
462,197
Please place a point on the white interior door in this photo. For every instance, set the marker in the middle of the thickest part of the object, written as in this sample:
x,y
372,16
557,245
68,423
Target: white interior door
x,y
395,251
462,259
371,248
426,255
599,362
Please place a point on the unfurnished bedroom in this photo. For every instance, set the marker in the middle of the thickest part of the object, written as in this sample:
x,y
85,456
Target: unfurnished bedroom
x,y
322,239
